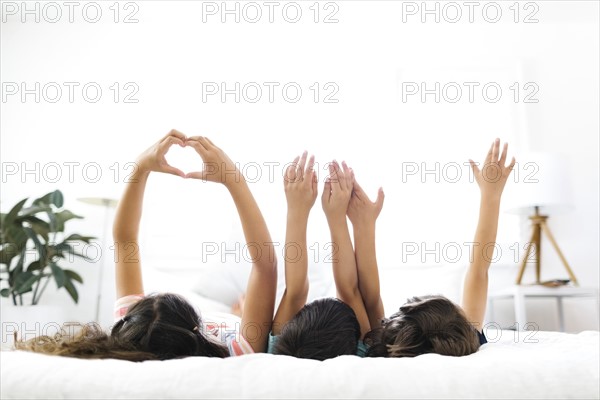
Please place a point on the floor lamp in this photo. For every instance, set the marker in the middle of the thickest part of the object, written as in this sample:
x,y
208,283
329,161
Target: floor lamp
x,y
544,188
107,203
539,226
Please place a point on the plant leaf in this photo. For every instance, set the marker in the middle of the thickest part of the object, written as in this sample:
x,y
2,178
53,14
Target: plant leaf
x,y
72,290
73,275
41,248
40,226
4,292
13,236
56,198
61,218
59,275
34,266
76,236
58,250
8,252
80,255
28,280
34,209
13,275
12,214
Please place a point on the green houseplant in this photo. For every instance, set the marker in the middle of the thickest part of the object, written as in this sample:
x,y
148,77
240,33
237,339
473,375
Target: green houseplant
x,y
32,245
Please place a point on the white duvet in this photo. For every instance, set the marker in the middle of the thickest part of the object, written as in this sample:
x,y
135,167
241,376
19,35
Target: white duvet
x,y
559,365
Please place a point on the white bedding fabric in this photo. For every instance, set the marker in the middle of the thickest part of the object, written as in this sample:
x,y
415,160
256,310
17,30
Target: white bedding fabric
x,y
558,366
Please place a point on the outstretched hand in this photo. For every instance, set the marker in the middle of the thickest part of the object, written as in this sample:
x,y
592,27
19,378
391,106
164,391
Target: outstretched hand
x,y
300,184
337,191
492,177
217,166
153,159
361,210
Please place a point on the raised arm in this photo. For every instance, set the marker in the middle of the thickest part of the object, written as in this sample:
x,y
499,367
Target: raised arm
x,y
363,214
300,183
128,272
491,179
335,199
257,316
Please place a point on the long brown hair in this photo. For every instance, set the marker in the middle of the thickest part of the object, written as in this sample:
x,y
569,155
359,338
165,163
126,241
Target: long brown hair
x,y
427,324
158,327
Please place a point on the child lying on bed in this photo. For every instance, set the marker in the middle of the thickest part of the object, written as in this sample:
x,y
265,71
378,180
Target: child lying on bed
x,y
434,324
326,328
427,324
164,326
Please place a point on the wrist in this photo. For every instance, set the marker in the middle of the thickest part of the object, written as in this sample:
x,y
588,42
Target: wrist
x,y
337,220
141,167
141,172
491,198
297,214
237,183
364,227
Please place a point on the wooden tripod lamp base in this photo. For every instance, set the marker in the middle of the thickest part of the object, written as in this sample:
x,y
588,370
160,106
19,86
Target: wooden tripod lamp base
x,y
539,225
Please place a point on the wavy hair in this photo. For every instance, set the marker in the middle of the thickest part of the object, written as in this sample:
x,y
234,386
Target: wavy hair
x,y
158,327
427,324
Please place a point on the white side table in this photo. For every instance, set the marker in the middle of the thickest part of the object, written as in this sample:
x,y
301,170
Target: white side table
x,y
520,292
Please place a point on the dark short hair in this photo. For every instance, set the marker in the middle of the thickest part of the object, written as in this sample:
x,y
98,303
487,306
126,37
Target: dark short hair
x,y
322,329
427,324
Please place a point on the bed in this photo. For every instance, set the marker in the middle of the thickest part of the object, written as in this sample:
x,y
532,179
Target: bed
x,y
513,365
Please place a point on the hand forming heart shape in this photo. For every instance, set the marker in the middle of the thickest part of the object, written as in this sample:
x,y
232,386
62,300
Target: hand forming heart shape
x,y
217,166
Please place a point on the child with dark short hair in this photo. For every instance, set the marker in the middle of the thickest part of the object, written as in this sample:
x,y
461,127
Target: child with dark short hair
x,y
328,327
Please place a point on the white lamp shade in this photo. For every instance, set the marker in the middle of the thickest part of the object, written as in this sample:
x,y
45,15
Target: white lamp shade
x,y
540,180
99,201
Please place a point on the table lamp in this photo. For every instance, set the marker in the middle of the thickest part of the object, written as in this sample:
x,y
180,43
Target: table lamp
x,y
543,188
107,203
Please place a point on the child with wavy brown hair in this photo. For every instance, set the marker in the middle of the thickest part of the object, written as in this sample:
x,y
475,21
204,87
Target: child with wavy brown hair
x,y
434,324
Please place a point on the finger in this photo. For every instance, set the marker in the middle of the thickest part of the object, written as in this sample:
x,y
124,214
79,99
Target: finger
x,y
348,177
175,133
488,157
326,190
172,170
301,165
170,141
512,164
290,172
502,159
332,179
315,182
380,198
205,142
345,168
196,175
210,141
474,167
496,150
196,145
339,175
358,190
311,165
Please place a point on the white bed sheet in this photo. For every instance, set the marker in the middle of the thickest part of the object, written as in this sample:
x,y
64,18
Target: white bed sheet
x,y
558,366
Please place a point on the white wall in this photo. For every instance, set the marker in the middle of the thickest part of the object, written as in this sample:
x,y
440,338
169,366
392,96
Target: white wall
x,y
170,52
